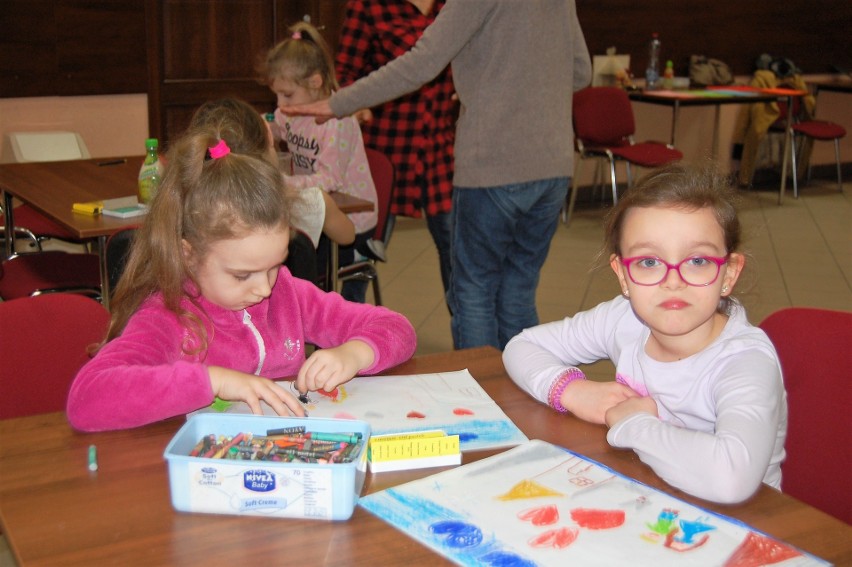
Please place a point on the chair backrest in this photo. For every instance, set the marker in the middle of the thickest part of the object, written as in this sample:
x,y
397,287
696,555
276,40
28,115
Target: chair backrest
x,y
815,350
382,171
603,116
117,249
47,146
43,343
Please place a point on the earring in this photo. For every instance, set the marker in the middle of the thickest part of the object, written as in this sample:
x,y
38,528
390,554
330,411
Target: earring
x,y
725,289
626,292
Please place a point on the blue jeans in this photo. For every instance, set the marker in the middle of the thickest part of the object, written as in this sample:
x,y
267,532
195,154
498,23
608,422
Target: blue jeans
x,y
501,237
440,227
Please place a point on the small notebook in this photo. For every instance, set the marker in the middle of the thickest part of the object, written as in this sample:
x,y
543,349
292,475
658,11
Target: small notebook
x,y
124,207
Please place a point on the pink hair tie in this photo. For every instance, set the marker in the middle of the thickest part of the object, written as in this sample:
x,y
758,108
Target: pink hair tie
x,y
297,35
221,149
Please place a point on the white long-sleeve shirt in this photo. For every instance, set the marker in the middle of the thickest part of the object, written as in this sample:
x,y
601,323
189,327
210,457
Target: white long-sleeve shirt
x,y
722,412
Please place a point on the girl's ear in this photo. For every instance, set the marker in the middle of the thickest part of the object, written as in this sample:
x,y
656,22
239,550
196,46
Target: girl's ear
x,y
315,81
733,269
616,266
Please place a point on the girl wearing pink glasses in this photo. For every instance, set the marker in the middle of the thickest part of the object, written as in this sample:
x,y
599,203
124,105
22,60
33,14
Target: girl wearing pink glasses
x,y
698,393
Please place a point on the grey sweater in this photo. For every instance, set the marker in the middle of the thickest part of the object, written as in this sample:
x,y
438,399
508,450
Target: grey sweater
x,y
515,66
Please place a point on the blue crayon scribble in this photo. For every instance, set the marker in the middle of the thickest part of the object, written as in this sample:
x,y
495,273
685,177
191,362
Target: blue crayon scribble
x,y
457,534
690,529
506,559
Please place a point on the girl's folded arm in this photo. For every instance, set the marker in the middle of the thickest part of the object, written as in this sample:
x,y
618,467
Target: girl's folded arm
x,y
728,464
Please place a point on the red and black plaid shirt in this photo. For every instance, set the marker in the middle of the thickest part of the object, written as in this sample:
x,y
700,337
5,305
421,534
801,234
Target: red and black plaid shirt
x,y
415,131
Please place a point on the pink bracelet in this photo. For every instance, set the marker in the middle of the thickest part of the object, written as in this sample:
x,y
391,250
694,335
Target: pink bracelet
x,y
555,395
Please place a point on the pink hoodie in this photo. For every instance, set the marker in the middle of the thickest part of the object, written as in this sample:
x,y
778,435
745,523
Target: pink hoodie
x,y
144,376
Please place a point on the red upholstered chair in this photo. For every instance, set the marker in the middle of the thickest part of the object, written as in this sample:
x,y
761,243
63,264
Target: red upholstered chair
x,y
49,272
382,171
819,130
44,341
603,128
815,350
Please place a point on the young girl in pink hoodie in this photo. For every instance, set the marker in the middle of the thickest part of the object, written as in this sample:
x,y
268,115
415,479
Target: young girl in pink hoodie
x,y
204,308
330,155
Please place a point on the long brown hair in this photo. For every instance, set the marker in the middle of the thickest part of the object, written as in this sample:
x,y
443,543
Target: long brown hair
x,y
200,201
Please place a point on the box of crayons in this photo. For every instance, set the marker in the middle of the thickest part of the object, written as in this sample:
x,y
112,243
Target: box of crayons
x,y
268,466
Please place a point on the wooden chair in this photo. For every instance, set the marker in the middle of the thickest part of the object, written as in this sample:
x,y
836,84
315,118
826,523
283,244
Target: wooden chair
x,y
44,341
815,350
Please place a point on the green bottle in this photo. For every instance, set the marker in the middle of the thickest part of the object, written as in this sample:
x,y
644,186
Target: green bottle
x,y
150,172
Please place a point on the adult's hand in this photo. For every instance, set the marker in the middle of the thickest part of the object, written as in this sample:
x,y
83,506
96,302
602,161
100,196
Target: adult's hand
x,y
321,109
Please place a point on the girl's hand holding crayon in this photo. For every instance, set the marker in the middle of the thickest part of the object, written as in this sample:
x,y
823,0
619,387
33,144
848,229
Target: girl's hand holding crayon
x,y
328,368
590,401
233,385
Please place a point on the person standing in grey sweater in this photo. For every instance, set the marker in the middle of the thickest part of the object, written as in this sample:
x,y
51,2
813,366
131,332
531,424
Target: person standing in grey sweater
x,y
515,66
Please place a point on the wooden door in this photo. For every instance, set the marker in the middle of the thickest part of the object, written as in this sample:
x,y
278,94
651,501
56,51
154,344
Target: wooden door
x,y
200,50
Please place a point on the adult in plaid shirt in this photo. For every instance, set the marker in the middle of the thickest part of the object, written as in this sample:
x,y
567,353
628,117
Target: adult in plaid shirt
x,y
515,65
417,130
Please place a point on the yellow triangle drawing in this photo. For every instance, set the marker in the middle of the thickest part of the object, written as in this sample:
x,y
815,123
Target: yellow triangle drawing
x,y
528,489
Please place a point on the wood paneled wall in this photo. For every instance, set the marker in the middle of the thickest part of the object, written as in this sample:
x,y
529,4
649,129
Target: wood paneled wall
x,y
89,47
815,34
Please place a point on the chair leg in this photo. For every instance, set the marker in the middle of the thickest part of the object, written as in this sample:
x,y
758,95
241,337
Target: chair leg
x,y
612,178
377,295
837,160
629,174
793,160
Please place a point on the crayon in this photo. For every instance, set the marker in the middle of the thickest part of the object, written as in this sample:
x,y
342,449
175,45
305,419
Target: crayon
x,y
93,458
342,437
295,430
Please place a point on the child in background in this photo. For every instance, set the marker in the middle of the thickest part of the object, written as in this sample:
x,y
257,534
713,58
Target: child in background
x,y
205,309
698,393
330,155
313,210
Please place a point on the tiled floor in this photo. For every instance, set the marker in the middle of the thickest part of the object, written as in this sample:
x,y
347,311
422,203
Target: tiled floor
x,y
800,253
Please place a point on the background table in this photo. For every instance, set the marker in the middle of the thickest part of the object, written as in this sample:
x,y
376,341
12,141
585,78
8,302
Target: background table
x,y
718,96
53,511
53,187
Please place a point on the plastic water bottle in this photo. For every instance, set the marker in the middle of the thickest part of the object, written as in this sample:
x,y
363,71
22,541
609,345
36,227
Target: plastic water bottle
x,y
150,173
652,72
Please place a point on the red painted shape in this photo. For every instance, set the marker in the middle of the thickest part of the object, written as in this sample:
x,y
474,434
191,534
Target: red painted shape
x,y
597,519
462,411
760,550
559,538
333,394
415,415
541,516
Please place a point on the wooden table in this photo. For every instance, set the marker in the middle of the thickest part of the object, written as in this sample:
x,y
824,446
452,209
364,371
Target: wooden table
x,y
716,97
839,85
53,187
53,511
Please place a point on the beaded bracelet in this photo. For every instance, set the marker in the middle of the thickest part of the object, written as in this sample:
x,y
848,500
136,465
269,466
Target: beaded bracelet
x,y
555,395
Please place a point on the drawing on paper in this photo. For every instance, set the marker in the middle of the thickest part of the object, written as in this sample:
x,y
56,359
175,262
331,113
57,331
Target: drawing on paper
x,y
451,401
538,504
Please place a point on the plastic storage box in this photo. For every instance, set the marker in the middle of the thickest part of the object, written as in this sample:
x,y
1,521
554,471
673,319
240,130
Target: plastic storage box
x,y
263,488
